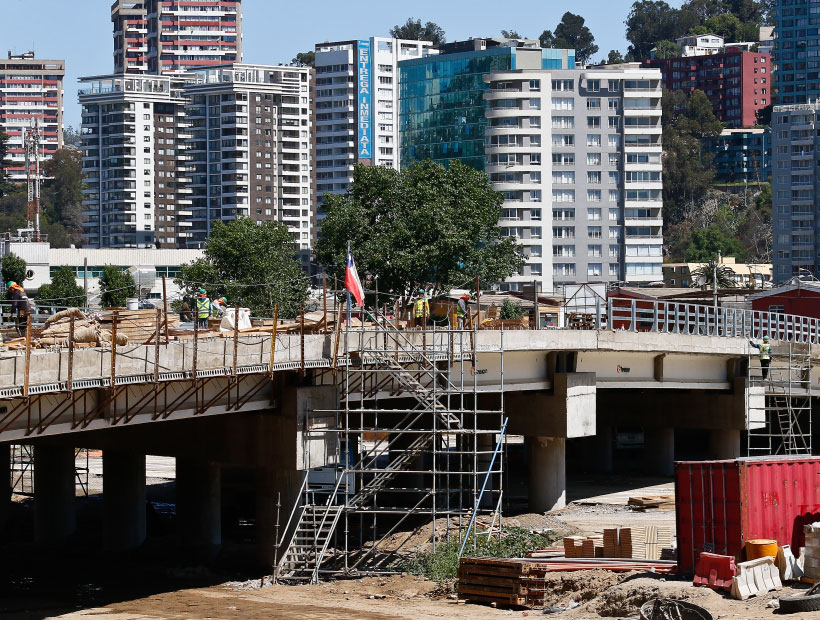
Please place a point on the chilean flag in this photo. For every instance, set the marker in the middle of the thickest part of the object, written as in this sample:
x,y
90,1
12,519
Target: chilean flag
x,y
352,282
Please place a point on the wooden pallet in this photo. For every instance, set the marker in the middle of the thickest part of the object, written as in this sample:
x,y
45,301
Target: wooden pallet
x,y
652,502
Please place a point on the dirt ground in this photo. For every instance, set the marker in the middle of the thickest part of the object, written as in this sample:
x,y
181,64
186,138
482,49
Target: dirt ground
x,y
400,597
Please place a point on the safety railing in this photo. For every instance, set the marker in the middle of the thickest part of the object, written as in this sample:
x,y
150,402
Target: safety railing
x,y
643,315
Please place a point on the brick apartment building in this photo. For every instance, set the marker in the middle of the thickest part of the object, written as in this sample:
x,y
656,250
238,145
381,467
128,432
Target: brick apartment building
x,y
30,89
737,82
172,36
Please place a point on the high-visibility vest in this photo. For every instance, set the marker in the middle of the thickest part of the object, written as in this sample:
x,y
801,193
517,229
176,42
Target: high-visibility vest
x,y
421,308
765,351
460,312
203,307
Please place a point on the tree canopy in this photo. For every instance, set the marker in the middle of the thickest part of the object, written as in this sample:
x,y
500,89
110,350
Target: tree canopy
x,y
305,58
706,243
688,169
511,34
253,265
13,269
667,49
614,57
5,185
650,21
116,285
413,30
425,225
62,290
62,192
571,33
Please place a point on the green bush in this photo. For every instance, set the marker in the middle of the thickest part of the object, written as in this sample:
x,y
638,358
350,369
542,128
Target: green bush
x,y
441,565
511,310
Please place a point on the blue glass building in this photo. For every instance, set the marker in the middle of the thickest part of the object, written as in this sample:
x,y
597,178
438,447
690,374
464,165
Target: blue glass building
x,y
441,99
797,51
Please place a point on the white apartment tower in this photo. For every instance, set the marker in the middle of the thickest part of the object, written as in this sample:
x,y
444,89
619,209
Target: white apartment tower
x,y
251,148
356,107
134,162
577,155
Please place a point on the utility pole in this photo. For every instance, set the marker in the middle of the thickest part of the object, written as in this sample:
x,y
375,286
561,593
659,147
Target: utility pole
x,y
32,145
715,288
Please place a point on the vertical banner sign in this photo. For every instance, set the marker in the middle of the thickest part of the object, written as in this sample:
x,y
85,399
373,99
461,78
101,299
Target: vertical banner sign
x,y
365,100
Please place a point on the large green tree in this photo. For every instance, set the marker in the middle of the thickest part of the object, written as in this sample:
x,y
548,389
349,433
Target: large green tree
x,y
62,193
5,185
252,265
614,57
414,30
425,225
650,21
62,290
711,271
305,58
571,33
667,49
706,243
116,285
688,169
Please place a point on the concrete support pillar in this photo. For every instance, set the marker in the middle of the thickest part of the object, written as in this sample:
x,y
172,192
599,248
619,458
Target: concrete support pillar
x,y
124,504
199,505
5,484
604,448
659,450
548,480
273,483
54,511
724,444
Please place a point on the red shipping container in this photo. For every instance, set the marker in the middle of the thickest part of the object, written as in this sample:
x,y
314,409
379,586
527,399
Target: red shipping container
x,y
721,504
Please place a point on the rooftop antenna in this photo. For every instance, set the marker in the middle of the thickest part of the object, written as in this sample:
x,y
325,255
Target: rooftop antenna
x,y
32,144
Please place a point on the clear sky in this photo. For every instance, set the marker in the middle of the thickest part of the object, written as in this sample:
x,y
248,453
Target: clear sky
x,y
79,31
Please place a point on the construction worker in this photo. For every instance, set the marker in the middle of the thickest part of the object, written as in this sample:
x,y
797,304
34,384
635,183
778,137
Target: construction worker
x,y
765,355
19,306
462,310
204,307
185,313
219,306
421,309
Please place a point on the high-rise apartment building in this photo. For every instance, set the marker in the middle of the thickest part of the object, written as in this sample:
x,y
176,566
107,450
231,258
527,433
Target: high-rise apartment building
x,y
166,157
172,36
738,83
796,51
31,89
136,165
251,147
356,106
576,154
795,197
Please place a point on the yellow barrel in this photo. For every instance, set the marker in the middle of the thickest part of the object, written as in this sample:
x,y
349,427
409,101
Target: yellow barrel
x,y
760,548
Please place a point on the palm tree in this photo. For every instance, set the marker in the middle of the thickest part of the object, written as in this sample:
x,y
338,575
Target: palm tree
x,y
705,274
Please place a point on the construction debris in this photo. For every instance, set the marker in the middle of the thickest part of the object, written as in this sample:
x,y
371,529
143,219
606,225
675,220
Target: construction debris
x,y
671,609
811,554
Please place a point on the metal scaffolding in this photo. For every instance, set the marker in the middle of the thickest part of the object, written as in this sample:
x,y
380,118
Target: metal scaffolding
x,y
784,425
416,447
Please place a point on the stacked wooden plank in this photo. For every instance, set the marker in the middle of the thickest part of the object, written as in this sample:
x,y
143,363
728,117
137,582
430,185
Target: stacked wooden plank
x,y
649,542
652,502
618,542
499,581
811,553
584,546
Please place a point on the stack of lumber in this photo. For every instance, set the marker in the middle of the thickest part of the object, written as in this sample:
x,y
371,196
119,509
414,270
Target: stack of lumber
x,y
501,581
584,546
618,542
652,502
139,326
522,582
648,542
56,331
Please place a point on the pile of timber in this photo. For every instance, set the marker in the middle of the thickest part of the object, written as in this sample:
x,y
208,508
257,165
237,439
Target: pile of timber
x,y
522,582
501,581
139,326
652,502
639,543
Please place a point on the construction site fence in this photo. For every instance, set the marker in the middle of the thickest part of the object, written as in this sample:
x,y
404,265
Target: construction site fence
x,y
640,315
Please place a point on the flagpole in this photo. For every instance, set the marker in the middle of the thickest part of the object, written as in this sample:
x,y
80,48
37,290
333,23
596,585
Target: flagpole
x,y
348,291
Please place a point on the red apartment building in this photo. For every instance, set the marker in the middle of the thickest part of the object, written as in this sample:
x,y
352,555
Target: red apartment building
x,y
173,36
737,82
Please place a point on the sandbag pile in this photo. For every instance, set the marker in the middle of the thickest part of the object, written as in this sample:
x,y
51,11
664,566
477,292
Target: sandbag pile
x,y
86,330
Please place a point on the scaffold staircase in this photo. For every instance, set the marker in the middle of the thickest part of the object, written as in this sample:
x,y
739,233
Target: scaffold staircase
x,y
785,427
401,359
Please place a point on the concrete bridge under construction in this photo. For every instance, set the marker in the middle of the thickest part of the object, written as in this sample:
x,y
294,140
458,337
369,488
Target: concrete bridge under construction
x,y
277,406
